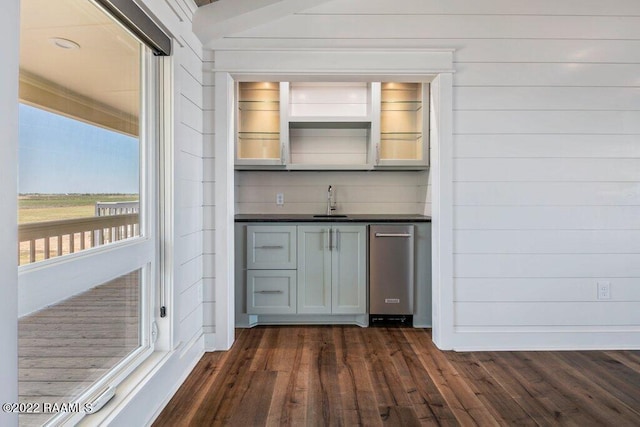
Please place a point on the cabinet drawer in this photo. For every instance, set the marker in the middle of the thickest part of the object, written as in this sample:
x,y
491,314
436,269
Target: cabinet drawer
x,y
271,247
271,291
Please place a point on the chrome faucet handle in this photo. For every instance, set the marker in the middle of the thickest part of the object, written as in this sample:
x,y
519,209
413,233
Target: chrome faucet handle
x,y
331,206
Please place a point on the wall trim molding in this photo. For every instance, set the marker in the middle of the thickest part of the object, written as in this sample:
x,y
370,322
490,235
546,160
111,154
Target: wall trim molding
x,y
210,341
336,64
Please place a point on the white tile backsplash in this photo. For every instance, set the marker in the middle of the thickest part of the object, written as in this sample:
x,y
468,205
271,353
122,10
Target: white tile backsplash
x,y
356,192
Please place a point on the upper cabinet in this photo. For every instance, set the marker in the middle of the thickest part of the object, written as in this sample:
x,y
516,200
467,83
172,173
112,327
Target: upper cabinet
x,y
258,136
332,125
404,125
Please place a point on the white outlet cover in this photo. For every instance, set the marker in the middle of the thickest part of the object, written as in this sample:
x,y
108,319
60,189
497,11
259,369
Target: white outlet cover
x,y
604,290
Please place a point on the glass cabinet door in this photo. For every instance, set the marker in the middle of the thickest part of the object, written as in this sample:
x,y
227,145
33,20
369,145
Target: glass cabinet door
x,y
258,124
403,124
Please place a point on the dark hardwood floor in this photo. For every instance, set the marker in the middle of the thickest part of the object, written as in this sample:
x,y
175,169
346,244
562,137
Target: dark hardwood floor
x,y
344,375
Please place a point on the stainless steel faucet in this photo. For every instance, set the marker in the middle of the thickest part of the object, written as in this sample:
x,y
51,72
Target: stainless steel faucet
x,y
331,206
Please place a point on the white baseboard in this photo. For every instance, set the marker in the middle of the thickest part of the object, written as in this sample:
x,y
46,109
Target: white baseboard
x,y
546,339
174,389
209,341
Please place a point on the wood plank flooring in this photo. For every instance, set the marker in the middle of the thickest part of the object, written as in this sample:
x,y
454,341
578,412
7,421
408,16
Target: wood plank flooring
x,y
64,348
348,376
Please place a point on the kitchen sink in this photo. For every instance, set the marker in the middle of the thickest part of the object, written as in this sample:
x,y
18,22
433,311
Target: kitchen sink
x,y
329,216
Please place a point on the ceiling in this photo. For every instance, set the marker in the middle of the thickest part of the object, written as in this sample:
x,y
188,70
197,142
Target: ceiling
x,y
104,72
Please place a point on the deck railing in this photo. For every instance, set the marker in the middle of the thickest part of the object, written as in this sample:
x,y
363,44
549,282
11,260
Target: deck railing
x,y
44,240
116,208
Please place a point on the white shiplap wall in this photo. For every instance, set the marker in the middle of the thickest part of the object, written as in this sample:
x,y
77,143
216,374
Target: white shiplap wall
x,y
546,155
188,176
209,201
355,192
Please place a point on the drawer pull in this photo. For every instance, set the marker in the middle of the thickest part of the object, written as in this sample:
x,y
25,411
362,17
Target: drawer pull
x,y
268,292
270,247
393,235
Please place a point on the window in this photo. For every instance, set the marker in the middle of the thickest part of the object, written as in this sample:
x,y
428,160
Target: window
x,y
81,91
89,93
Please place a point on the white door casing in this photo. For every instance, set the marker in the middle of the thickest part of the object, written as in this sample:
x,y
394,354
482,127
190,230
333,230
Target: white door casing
x,y
429,65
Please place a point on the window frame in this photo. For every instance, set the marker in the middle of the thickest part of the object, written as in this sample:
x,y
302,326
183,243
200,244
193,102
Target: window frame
x,y
98,265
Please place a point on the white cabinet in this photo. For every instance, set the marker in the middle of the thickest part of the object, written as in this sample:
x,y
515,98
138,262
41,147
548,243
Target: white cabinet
x,y
258,135
332,269
332,125
401,137
271,247
314,269
271,269
306,269
271,291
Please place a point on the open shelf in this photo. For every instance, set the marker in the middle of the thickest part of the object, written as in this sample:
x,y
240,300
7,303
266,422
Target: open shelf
x,y
329,123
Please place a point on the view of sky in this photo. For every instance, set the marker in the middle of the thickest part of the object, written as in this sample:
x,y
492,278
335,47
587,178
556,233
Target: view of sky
x,y
61,155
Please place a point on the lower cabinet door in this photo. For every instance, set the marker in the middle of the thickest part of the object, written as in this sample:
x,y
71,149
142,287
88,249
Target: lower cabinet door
x,y
348,270
314,269
271,291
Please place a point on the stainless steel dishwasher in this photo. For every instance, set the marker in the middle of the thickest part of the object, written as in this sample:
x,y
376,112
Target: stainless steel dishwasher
x,y
391,273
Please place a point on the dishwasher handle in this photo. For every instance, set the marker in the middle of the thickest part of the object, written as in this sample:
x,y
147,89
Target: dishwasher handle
x,y
393,234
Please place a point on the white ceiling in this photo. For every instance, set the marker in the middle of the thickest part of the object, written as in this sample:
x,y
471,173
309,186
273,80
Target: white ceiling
x,y
105,69
221,18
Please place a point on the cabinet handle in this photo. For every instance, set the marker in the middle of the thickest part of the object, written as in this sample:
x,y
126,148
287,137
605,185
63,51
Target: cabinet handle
x,y
330,238
268,292
282,153
270,247
377,154
337,238
393,235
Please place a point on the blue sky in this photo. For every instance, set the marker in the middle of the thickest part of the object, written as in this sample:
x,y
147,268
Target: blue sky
x,y
61,155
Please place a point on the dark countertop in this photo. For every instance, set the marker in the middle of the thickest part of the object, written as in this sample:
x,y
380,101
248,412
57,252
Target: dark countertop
x,y
335,218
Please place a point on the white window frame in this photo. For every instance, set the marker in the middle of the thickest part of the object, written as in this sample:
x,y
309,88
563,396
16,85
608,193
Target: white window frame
x,y
92,267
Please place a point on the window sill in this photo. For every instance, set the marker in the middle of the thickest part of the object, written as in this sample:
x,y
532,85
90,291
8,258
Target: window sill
x,y
126,390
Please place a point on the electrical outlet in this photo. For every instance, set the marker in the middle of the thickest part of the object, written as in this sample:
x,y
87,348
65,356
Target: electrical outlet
x,y
280,199
604,290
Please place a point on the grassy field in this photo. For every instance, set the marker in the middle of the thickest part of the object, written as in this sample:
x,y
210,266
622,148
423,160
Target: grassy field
x,y
50,207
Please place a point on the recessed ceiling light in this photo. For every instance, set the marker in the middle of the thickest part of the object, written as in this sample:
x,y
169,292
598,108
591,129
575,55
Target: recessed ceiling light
x,y
64,43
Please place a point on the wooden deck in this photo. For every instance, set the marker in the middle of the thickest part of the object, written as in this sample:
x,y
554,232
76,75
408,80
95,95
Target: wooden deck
x,y
341,375
66,347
